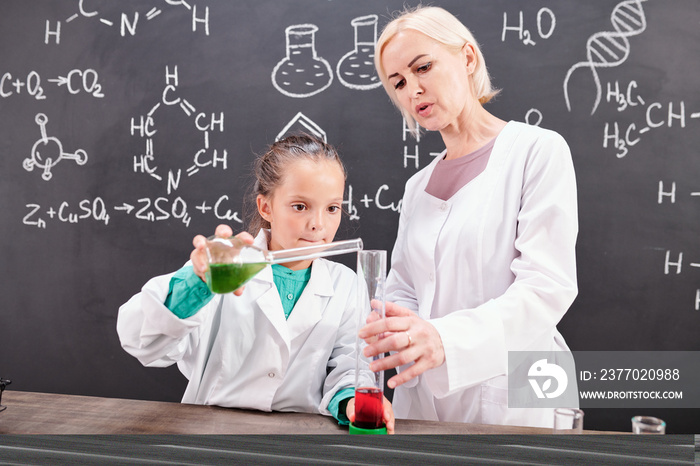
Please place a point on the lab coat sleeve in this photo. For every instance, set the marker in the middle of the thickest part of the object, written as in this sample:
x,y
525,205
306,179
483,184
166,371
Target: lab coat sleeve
x,y
150,332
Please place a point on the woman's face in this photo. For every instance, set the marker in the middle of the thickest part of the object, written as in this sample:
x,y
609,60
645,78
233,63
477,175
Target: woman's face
x,y
432,83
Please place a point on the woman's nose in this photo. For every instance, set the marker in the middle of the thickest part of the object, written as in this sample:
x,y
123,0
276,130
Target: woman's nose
x,y
416,88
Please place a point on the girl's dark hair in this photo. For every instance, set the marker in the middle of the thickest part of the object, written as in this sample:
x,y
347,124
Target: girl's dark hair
x,y
269,169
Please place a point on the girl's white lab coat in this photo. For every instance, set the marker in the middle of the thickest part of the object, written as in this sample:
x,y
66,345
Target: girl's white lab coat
x,y
493,268
239,351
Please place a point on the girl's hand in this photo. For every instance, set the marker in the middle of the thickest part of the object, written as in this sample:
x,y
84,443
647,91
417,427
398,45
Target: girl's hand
x,y
387,414
408,337
199,255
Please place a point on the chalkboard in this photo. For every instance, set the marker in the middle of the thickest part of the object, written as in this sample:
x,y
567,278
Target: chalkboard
x,y
128,127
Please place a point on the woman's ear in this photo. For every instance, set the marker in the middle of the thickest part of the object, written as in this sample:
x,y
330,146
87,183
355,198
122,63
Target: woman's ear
x,y
264,207
469,55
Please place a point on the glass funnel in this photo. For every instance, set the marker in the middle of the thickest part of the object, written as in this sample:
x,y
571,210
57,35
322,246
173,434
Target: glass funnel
x,y
233,262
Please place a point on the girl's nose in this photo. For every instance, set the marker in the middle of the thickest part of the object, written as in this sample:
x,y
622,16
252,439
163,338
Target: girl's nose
x,y
317,222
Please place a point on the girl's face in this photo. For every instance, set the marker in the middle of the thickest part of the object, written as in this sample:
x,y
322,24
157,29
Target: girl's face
x,y
431,82
306,208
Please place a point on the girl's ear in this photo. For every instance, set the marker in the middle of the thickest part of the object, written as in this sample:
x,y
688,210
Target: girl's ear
x,y
264,207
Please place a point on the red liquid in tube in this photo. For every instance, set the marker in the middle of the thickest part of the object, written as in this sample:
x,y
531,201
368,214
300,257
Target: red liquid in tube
x,y
368,408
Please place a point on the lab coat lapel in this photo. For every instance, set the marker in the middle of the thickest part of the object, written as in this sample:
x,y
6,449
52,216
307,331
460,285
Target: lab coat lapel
x,y
269,302
309,309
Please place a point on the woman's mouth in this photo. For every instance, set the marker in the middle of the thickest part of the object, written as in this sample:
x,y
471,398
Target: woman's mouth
x,y
424,109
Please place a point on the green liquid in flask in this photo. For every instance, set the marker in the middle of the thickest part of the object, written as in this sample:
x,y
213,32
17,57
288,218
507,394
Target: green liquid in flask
x,y
225,278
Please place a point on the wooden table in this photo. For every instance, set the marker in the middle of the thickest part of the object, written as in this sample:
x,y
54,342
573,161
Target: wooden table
x,y
44,413
43,428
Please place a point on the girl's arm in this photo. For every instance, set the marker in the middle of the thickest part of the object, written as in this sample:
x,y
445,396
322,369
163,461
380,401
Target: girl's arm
x,y
151,332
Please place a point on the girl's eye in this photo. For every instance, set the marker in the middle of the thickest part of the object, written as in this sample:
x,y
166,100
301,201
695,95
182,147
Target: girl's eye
x,y
333,209
299,207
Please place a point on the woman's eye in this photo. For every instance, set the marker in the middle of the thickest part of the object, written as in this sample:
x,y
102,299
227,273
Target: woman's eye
x,y
424,68
399,84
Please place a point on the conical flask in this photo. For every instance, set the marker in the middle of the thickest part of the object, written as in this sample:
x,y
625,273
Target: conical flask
x,y
233,262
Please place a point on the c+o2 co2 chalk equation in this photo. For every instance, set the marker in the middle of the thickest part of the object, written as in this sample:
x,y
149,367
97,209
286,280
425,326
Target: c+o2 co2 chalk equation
x,y
75,82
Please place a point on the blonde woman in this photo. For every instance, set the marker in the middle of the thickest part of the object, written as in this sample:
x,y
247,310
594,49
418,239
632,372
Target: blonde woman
x,y
484,260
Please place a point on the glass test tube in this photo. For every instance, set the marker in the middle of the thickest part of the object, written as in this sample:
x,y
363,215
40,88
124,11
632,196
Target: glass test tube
x,y
369,388
312,252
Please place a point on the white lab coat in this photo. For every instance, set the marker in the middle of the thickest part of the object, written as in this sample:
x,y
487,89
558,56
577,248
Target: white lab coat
x,y
494,269
239,351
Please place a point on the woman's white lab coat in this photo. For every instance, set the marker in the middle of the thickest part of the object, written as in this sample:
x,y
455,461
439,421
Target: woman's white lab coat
x,y
493,268
239,351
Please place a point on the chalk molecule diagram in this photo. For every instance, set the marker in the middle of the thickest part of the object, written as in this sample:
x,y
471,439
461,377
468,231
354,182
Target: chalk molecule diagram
x,y
144,127
39,159
127,25
608,49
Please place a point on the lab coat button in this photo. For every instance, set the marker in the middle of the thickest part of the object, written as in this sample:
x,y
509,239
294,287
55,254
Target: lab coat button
x,y
431,276
443,206
271,375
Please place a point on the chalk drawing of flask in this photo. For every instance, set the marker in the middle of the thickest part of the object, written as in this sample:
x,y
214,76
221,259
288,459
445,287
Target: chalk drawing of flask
x,y
301,73
356,68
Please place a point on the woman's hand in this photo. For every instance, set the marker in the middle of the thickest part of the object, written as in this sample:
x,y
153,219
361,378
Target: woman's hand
x,y
409,338
199,255
387,414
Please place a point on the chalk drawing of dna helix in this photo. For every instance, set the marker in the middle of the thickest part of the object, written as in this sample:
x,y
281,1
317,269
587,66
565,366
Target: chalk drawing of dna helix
x,y
608,49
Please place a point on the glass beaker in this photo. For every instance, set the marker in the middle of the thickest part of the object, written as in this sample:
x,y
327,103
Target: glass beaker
x,y
568,421
233,262
356,68
301,73
648,425
369,392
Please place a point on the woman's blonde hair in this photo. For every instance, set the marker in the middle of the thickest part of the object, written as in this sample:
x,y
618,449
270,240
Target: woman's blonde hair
x,y
442,26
